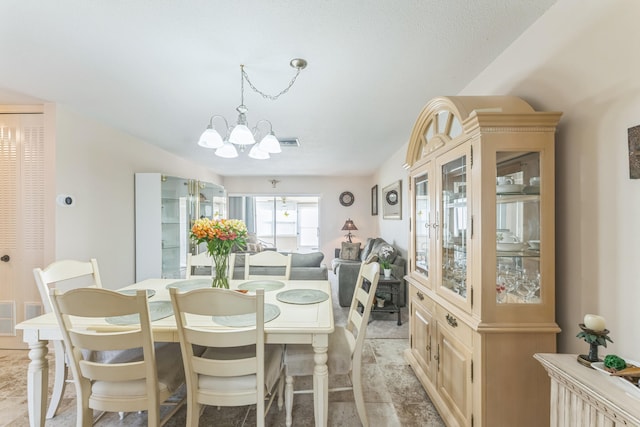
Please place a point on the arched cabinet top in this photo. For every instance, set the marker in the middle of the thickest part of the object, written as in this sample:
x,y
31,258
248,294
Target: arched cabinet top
x,y
444,119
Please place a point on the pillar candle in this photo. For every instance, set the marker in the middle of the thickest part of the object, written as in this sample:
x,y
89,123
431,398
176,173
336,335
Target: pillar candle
x,y
594,322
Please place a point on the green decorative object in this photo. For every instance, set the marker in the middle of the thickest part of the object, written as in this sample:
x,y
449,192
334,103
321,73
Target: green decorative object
x,y
614,362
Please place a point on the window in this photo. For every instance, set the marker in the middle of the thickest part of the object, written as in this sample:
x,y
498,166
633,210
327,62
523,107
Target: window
x,y
287,223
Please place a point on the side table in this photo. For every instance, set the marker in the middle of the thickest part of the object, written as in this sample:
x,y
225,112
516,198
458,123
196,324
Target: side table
x,y
389,286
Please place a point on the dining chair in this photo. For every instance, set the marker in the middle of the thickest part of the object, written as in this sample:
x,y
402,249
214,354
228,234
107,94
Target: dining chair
x,y
141,377
345,346
203,259
267,259
237,368
68,273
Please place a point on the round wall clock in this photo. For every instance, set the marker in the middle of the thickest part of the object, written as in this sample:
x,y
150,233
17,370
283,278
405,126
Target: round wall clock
x,y
346,198
392,197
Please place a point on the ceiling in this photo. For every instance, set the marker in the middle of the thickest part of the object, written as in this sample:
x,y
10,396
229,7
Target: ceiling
x,y
159,69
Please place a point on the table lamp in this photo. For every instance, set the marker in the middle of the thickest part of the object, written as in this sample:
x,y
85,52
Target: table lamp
x,y
349,226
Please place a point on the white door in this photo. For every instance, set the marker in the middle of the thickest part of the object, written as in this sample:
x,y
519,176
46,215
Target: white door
x,y
21,221
308,227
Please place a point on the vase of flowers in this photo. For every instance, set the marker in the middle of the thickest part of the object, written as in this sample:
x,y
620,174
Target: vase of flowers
x,y
220,235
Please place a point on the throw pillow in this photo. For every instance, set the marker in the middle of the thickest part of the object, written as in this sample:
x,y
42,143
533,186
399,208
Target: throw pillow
x,y
350,251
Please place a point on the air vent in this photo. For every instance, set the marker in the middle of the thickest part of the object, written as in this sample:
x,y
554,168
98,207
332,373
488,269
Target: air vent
x,y
289,142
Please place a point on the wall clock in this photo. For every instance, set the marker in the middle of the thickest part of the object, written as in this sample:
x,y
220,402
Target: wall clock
x,y
346,198
392,197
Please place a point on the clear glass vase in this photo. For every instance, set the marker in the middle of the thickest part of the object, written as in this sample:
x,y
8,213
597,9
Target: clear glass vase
x,y
220,278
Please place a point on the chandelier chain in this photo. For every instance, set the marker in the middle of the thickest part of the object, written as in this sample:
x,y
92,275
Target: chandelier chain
x,y
266,95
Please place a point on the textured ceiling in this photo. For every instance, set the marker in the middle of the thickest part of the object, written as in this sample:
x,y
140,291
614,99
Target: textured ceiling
x,y
158,69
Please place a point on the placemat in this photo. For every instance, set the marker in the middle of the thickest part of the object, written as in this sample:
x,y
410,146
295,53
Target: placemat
x,y
157,310
267,285
191,284
271,311
302,296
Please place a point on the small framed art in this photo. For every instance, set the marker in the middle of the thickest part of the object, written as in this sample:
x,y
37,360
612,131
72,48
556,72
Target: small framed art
x,y
392,201
374,200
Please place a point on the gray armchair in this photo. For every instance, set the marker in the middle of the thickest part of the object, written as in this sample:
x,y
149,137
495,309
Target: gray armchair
x,y
346,270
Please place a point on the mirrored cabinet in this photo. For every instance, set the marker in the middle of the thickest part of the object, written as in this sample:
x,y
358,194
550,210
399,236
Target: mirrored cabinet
x,y
481,267
166,207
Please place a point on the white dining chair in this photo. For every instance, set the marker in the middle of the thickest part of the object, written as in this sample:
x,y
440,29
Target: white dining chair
x,y
237,368
345,346
268,259
65,273
141,377
203,259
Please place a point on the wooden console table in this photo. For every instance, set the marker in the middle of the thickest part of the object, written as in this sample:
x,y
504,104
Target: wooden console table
x,y
584,397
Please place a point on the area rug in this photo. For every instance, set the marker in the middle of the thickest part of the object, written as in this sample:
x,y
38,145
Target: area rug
x,y
381,325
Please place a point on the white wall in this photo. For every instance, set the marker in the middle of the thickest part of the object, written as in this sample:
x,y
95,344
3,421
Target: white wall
x,y
581,58
332,213
96,164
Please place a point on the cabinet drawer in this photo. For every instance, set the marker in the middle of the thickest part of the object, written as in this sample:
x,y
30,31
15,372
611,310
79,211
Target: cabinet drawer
x,y
420,298
454,326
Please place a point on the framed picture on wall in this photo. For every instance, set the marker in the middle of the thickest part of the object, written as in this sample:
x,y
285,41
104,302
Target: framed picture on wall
x,y
392,201
374,200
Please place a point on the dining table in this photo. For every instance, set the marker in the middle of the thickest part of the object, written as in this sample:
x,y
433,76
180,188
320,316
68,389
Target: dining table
x,y
304,316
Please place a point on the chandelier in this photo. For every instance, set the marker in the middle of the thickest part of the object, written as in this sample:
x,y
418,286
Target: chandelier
x,y
240,134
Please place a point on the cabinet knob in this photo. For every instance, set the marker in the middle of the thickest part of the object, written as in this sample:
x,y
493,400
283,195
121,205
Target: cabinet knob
x,y
451,320
420,296
5,258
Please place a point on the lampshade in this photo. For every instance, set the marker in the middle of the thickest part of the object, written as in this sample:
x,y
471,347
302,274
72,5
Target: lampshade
x,y
241,135
270,144
210,138
228,151
349,225
257,153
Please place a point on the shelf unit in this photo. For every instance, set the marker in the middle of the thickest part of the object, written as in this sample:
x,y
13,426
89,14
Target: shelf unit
x,y
478,315
166,208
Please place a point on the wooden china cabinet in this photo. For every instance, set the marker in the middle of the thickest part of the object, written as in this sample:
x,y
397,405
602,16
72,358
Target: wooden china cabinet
x,y
481,270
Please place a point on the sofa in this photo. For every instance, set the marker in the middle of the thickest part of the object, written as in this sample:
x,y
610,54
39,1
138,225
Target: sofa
x,y
307,266
346,266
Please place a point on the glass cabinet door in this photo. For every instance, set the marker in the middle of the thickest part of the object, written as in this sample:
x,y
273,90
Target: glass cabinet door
x,y
453,225
422,224
518,189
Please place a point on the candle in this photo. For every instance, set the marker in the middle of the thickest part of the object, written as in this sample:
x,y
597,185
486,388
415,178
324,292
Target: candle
x,y
594,322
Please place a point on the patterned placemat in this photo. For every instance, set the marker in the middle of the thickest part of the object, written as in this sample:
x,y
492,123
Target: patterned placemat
x,y
157,310
302,296
267,285
271,311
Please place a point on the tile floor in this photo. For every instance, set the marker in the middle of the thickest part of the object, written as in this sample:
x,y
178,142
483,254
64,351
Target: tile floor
x,y
393,397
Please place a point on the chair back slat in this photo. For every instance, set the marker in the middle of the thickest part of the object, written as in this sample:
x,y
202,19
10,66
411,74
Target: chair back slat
x,y
225,368
113,372
105,341
224,338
